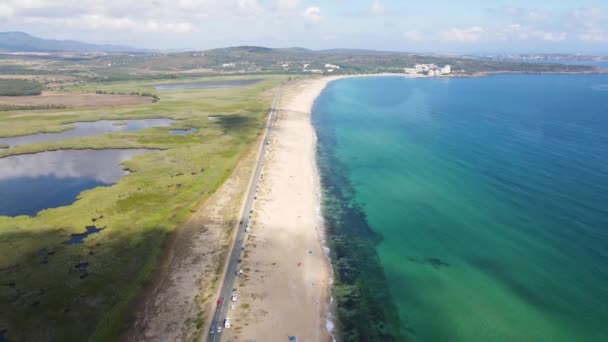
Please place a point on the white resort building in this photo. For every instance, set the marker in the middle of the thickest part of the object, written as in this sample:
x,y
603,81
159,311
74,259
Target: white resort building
x,y
428,70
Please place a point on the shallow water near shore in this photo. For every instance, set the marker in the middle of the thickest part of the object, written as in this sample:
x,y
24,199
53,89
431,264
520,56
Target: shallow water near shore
x,y
479,204
33,182
85,129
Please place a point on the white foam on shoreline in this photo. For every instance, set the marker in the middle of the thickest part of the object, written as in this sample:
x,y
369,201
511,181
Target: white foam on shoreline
x,y
329,323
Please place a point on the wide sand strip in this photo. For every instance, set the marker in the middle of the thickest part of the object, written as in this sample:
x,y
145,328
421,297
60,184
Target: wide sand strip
x,y
286,283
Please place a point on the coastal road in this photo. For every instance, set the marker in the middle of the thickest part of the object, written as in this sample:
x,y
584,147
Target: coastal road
x,y
222,309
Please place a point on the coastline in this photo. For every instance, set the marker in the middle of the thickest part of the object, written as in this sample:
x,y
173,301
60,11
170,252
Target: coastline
x,y
286,286
345,108
288,276
269,292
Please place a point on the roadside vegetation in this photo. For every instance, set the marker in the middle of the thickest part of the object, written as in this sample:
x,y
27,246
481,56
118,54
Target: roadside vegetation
x,y
155,97
19,87
8,108
42,279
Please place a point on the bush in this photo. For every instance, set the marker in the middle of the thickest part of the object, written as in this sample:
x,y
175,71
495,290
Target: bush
x,y
6,108
154,97
19,88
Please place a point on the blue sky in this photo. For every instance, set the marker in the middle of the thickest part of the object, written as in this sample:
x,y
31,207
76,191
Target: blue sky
x,y
464,26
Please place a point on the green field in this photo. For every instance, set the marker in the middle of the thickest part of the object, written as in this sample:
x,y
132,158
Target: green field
x,y
41,296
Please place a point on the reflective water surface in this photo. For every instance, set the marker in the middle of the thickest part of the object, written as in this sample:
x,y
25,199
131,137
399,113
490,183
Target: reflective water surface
x,y
77,239
33,182
85,129
183,131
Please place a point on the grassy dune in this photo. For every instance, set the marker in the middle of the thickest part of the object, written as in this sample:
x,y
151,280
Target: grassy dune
x,y
42,294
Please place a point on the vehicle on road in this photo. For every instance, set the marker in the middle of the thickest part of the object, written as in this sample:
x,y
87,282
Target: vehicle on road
x,y
219,329
234,297
212,329
220,301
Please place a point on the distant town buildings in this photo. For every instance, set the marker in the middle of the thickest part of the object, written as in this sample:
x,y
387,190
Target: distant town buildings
x,y
428,70
331,67
228,65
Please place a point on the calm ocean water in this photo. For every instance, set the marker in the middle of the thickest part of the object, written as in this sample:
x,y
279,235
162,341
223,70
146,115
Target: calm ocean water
x,y
478,207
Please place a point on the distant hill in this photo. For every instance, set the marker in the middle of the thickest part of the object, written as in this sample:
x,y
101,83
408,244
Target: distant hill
x,y
20,41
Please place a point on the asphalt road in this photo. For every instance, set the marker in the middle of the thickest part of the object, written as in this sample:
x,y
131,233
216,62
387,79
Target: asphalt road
x,y
223,310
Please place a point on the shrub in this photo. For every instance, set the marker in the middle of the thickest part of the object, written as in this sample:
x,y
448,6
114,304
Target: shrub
x,y
19,87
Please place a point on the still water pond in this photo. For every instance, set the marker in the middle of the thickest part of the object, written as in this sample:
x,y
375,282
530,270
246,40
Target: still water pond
x,y
183,131
85,129
205,85
33,182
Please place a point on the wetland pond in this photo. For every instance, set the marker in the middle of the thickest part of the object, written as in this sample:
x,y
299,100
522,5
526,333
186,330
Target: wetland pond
x,y
34,182
183,131
206,85
85,129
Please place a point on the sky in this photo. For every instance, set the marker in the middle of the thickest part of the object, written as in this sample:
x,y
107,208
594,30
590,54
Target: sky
x,y
441,26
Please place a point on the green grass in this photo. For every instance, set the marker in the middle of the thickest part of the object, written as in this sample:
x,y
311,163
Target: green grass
x,y
138,212
19,87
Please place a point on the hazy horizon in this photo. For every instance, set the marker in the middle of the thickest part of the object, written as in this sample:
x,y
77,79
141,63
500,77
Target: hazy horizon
x,y
468,27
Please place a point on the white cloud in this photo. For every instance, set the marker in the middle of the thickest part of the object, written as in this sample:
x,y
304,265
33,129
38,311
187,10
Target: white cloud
x,y
330,37
6,10
312,14
594,36
249,7
377,8
522,14
521,32
154,26
462,35
553,36
592,24
101,22
413,35
286,5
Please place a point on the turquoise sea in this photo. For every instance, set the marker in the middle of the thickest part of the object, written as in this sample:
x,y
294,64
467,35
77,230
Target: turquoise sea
x,y
467,209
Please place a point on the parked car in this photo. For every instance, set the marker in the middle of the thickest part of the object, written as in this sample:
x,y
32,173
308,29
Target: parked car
x,y
234,297
227,323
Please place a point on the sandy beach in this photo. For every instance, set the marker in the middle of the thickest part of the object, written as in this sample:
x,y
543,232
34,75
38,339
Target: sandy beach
x,y
285,290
